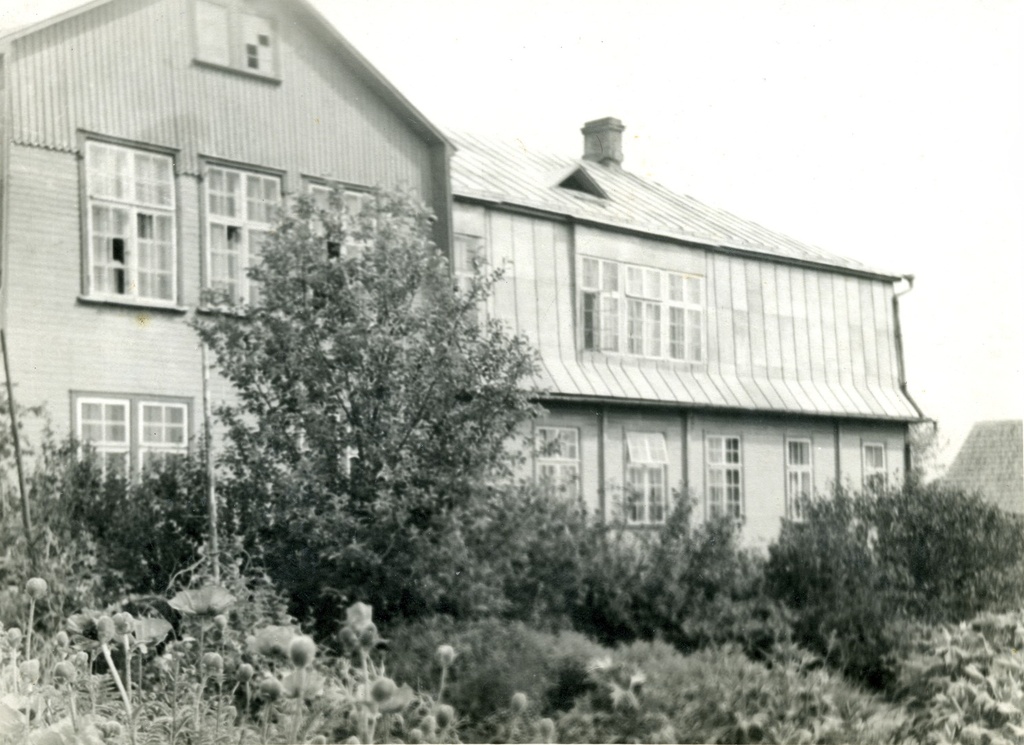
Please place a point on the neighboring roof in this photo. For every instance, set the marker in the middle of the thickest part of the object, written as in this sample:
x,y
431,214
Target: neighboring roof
x,y
509,173
991,461
26,21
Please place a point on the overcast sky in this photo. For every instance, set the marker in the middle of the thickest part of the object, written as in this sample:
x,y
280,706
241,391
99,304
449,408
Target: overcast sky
x,y
890,132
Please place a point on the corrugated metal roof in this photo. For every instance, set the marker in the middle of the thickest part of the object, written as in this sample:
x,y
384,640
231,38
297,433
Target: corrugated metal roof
x,y
511,173
991,461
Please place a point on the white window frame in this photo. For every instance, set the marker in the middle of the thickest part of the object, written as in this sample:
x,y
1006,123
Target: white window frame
x,y
240,28
134,447
558,468
873,474
646,478
795,474
164,450
135,207
240,289
717,464
105,448
640,311
605,298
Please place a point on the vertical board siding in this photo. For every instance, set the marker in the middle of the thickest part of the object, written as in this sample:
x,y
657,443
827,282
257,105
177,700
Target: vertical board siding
x,y
126,70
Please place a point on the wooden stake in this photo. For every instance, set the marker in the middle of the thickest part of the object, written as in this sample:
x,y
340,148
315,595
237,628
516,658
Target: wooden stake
x,y
25,517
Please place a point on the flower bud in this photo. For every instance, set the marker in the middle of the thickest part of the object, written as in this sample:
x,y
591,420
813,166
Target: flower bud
x,y
36,588
63,640
270,689
519,702
416,735
81,658
301,651
110,729
124,624
213,663
429,724
446,655
245,672
546,729
383,689
105,629
348,638
29,670
64,672
14,636
445,714
221,621
368,636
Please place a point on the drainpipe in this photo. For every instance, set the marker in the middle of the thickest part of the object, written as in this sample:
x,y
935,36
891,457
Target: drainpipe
x,y
901,365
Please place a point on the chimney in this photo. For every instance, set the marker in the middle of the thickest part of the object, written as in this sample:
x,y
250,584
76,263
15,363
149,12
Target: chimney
x,y
602,141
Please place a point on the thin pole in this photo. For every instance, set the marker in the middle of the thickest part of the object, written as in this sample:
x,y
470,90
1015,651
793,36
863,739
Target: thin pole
x,y
25,518
211,490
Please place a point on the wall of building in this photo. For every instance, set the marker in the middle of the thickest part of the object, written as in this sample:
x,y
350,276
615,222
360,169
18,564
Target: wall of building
x,y
126,72
836,455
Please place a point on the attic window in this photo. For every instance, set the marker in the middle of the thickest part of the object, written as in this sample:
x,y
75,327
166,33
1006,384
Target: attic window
x,y
580,180
228,37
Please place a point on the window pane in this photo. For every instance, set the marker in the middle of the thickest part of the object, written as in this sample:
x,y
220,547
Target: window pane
x,y
109,247
732,450
676,334
153,182
635,326
716,450
590,320
222,187
675,288
634,281
694,334
652,283
653,330
799,453
591,279
610,324
257,38
610,272
212,33
693,291
108,171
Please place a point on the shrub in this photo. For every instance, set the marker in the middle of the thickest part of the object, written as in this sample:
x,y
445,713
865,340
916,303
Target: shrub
x,y
861,567
494,660
648,692
962,683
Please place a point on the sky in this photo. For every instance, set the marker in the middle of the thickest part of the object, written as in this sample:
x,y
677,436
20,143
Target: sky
x,y
889,132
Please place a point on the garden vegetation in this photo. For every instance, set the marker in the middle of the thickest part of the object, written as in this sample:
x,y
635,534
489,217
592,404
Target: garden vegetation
x,y
384,578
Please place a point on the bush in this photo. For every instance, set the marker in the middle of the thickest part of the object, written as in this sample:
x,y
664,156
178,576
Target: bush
x,y
648,692
861,567
962,683
495,659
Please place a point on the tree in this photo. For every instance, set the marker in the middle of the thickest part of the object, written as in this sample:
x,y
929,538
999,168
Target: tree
x,y
372,405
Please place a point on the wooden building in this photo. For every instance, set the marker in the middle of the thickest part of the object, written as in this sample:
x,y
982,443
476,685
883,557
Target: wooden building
x,y
682,347
991,463
145,146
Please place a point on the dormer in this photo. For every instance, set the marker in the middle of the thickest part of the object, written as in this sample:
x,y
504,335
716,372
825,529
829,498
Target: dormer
x,y
581,181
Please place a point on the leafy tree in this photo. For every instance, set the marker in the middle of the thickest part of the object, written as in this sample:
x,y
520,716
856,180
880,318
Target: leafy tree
x,y
372,403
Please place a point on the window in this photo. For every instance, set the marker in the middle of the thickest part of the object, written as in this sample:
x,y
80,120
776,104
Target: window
x,y
353,202
558,457
724,476
799,478
229,37
129,432
646,474
469,249
664,311
875,473
600,299
240,210
130,224
163,433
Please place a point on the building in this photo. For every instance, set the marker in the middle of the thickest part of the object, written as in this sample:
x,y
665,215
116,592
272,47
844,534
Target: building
x,y
681,346
145,146
991,463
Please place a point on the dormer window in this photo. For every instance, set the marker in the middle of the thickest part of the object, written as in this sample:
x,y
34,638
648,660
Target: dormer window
x,y
228,36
